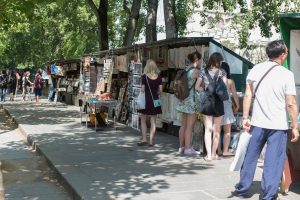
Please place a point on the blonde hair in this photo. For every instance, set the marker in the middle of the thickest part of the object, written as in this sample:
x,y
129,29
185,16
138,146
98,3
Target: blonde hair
x,y
151,67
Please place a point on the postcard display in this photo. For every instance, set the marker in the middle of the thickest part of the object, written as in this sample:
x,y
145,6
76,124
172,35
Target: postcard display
x,y
134,88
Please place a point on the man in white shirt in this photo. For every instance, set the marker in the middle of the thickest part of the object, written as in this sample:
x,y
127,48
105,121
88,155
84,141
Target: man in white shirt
x,y
274,96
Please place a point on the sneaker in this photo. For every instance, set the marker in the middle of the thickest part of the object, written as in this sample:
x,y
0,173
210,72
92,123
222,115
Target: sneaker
x,y
197,152
181,150
190,152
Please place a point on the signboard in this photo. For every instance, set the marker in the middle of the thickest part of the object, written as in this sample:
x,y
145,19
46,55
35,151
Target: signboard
x,y
295,54
236,65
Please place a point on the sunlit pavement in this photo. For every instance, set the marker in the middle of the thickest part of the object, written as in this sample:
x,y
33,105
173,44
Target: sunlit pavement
x,y
109,165
24,174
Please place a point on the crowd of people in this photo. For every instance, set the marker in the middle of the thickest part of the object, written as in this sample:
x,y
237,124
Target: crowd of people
x,y
198,78
273,102
13,82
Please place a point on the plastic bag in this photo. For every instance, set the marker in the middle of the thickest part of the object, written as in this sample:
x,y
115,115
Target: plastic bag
x,y
141,101
241,150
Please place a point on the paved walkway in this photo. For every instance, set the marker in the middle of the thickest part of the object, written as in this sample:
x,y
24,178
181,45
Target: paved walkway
x,y
109,165
23,174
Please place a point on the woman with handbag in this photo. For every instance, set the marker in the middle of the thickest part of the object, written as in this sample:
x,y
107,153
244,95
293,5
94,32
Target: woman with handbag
x,y
215,108
152,87
230,107
188,107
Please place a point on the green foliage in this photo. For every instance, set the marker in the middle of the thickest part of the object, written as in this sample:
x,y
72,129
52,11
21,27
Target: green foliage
x,y
68,31
183,10
262,14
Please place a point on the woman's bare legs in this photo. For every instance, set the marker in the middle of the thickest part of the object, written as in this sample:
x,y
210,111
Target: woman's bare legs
x,y
152,128
227,131
216,134
190,122
182,130
144,127
208,123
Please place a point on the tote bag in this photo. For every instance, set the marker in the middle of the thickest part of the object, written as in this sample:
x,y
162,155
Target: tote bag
x,y
141,101
241,150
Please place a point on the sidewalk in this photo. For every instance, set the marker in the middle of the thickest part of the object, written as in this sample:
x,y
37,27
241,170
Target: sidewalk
x,y
109,165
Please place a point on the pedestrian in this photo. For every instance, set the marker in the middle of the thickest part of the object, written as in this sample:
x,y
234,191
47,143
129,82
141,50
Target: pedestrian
x,y
12,84
18,82
3,85
52,85
274,96
188,107
229,111
38,86
152,86
26,85
213,121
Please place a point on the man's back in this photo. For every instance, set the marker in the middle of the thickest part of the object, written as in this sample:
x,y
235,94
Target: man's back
x,y
269,109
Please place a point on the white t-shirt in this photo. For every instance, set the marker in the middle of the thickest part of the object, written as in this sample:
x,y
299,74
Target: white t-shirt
x,y
269,108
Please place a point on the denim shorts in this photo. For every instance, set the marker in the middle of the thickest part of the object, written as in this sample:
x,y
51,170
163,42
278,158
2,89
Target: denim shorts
x,y
38,92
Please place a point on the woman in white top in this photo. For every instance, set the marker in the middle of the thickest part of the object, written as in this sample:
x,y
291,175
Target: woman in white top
x,y
229,118
213,121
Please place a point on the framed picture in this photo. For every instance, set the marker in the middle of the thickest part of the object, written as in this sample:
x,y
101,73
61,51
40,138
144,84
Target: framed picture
x,y
138,68
136,81
133,105
135,92
135,121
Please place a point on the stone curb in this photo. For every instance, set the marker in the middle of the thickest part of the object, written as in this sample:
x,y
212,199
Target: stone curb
x,y
30,140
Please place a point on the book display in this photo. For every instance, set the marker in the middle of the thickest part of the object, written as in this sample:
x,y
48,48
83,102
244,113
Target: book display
x,y
116,75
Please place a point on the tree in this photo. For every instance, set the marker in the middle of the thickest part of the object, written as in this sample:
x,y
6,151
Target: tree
x,y
101,14
263,14
68,31
133,14
151,33
170,19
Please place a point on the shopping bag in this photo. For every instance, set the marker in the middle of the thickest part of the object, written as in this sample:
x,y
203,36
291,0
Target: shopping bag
x,y
141,101
241,150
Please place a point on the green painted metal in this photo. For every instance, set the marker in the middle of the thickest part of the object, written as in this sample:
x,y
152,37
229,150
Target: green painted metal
x,y
288,22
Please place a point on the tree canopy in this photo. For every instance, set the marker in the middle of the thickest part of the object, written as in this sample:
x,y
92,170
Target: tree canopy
x,y
33,32
259,13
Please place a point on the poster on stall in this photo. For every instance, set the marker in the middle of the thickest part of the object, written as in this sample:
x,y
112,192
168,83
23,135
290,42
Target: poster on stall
x,y
45,75
295,54
236,65
53,69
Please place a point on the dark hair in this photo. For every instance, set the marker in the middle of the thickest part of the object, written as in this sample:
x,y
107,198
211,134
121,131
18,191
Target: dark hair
x,y
3,71
275,48
193,56
226,68
215,60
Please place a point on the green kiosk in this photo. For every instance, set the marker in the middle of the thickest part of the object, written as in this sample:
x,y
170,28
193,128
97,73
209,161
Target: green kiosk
x,y
290,32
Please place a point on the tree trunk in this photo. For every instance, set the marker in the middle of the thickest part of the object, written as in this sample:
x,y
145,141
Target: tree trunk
x,y
151,34
134,15
103,9
101,14
170,19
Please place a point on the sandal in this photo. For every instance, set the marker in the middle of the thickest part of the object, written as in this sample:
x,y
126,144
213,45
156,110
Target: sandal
x,y
150,145
142,143
216,157
206,159
228,155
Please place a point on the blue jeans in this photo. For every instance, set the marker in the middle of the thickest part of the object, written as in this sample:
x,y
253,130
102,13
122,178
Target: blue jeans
x,y
273,164
3,92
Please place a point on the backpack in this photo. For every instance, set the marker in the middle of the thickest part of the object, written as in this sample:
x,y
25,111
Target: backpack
x,y
210,102
3,81
181,84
